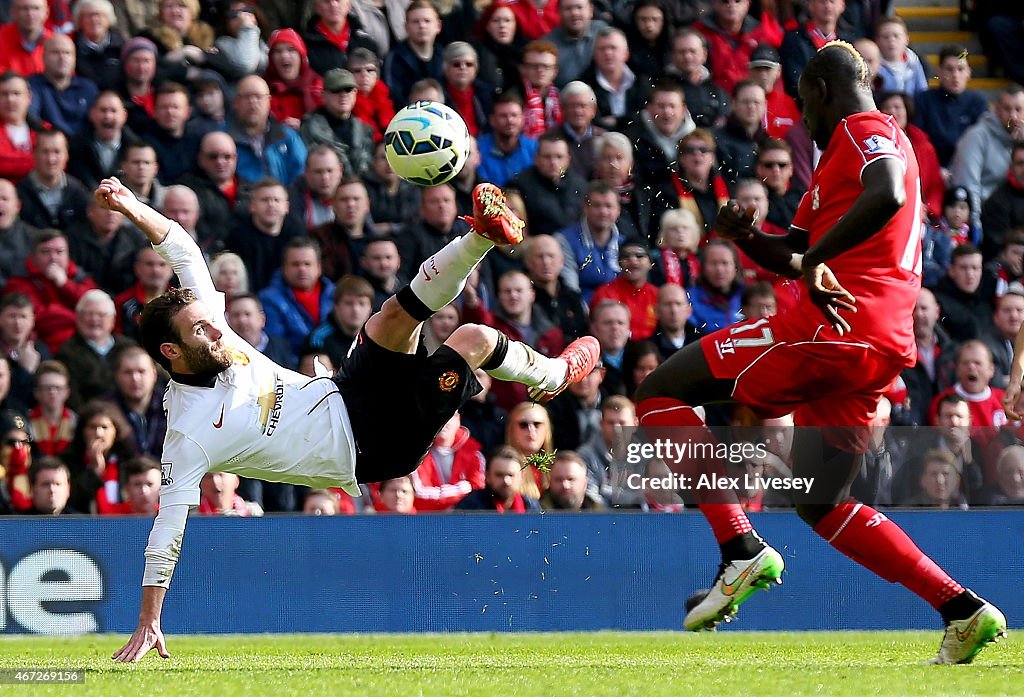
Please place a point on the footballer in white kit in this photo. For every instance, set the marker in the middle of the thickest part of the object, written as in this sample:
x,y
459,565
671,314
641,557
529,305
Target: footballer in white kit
x,y
229,408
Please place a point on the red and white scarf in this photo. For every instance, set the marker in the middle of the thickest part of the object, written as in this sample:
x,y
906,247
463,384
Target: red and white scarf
x,y
541,111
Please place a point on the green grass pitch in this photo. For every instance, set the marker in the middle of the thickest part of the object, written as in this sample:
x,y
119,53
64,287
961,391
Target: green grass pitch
x,y
603,663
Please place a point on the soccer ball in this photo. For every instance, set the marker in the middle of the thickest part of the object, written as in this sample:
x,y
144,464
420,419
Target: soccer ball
x,y
427,143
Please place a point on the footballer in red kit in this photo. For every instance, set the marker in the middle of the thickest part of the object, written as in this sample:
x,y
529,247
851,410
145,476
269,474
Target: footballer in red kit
x,y
855,242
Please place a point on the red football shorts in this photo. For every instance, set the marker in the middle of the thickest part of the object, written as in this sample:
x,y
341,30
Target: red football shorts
x,y
783,364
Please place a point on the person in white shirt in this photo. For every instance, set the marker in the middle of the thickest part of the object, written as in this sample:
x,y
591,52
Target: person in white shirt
x,y
231,409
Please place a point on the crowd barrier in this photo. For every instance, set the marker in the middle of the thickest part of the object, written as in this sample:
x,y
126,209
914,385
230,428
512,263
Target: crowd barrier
x,y
446,573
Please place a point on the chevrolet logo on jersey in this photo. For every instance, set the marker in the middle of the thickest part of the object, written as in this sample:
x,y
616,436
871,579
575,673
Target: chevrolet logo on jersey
x,y
270,401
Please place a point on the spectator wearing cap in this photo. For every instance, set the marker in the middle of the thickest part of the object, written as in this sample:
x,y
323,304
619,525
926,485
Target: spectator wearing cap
x,y
799,44
18,134
782,113
662,123
957,210
707,102
505,151
738,140
1004,209
542,109
137,84
373,98
732,35
632,289
552,192
417,57
266,147
464,91
574,38
946,111
21,40
621,93
1006,323
94,153
334,125
295,88
98,43
333,33
59,97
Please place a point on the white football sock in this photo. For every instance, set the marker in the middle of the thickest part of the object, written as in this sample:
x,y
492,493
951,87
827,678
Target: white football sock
x,y
442,277
523,364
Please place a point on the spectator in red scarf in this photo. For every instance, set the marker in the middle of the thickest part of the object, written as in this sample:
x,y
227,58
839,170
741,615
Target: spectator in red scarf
x,y
695,184
1004,209
101,443
676,261
373,98
295,89
51,422
502,478
900,106
543,108
463,90
333,33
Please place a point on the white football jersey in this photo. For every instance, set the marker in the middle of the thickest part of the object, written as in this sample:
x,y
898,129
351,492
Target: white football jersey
x,y
258,420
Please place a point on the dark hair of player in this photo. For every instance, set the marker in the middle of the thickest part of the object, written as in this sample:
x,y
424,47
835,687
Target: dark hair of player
x,y
156,325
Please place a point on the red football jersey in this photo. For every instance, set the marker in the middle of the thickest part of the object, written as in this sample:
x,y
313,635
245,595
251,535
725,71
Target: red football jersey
x,y
884,272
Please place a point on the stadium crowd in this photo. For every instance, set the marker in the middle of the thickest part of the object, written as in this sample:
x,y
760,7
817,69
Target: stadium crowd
x,y
618,130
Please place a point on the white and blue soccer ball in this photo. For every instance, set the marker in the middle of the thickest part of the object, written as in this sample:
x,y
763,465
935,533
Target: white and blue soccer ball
x,y
427,143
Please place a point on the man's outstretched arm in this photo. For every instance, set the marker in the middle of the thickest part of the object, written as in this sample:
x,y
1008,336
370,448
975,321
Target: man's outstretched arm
x,y
168,238
161,557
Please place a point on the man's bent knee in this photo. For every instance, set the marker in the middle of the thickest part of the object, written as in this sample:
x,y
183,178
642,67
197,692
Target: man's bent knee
x,y
474,342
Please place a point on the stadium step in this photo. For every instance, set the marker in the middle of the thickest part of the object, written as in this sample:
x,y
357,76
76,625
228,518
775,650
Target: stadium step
x,y
942,18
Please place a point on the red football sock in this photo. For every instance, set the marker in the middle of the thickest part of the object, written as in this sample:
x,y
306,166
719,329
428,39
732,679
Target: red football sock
x,y
663,418
878,544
